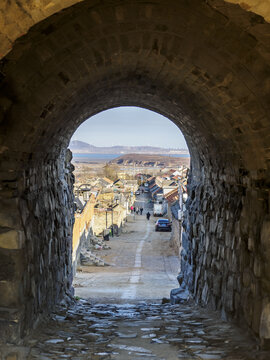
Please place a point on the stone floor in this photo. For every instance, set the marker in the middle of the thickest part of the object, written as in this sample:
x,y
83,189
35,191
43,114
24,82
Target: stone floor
x,y
136,332
124,318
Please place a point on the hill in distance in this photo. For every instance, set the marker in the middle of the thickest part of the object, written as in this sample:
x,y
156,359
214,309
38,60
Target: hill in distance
x,y
150,160
82,147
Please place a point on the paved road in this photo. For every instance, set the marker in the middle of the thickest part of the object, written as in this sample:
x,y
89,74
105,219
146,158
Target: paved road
x,y
144,265
143,201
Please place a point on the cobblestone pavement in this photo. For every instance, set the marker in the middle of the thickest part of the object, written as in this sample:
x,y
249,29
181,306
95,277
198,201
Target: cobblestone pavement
x,y
117,325
138,332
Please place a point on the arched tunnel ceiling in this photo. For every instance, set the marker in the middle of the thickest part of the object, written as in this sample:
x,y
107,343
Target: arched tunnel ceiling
x,y
206,68
17,17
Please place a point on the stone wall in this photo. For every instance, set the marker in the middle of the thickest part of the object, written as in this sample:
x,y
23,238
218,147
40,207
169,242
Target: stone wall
x,y
202,64
176,232
118,219
225,257
38,260
82,229
17,17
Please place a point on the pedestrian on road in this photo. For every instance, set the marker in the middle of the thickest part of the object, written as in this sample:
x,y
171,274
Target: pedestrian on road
x,y
131,208
141,210
134,210
137,211
148,215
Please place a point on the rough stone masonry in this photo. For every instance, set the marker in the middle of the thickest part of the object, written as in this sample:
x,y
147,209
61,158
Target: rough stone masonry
x,y
205,65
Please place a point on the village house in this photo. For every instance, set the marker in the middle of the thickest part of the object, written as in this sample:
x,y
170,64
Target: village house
x,y
104,183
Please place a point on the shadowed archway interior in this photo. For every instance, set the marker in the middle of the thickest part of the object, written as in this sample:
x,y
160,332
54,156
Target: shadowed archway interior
x,y
202,64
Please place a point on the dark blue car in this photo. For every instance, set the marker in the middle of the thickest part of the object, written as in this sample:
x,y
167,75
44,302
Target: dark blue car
x,y
163,225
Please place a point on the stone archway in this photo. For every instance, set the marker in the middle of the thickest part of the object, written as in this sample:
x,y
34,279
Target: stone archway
x,y
204,65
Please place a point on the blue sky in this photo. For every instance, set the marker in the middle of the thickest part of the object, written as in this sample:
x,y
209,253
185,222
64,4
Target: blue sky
x,y
131,126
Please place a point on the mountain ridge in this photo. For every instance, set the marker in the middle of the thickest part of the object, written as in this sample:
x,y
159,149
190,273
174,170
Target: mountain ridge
x,y
77,146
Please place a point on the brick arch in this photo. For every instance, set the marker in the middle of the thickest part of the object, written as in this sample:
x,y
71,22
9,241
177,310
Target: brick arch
x,y
17,17
140,42
205,69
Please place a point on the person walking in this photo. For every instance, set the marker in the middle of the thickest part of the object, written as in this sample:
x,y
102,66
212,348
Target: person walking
x,y
148,215
141,210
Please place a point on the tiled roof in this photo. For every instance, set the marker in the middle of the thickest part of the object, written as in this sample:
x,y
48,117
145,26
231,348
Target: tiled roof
x,y
157,190
153,188
172,196
151,179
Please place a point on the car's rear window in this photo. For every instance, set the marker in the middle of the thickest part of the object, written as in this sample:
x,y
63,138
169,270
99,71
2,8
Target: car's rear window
x,y
163,221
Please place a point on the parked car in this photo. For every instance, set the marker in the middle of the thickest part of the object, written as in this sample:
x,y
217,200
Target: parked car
x,y
137,192
163,224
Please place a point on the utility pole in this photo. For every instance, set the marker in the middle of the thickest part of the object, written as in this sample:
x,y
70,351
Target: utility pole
x,y
112,221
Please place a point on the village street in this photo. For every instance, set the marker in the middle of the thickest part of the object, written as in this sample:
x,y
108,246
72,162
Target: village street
x,y
143,265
